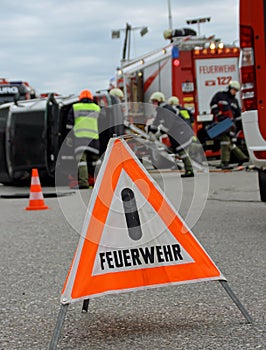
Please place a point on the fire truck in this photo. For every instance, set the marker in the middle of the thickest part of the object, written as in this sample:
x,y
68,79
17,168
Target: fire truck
x,y
193,68
252,28
11,91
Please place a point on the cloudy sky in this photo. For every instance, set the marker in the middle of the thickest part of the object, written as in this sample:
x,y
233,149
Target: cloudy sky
x,y
66,45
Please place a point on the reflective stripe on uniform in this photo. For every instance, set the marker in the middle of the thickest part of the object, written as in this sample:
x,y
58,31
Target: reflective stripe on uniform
x,y
183,156
86,127
223,102
184,114
184,145
234,105
86,132
82,149
82,164
225,143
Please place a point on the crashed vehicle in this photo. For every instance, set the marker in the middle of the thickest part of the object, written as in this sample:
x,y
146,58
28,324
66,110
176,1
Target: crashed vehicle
x,y
31,133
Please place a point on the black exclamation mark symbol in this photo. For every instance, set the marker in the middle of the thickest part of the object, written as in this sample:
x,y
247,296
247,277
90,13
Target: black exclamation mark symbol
x,y
131,213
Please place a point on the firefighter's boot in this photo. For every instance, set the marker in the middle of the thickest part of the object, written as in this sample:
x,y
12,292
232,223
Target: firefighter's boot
x,y
242,158
187,164
226,166
225,145
225,149
82,170
188,173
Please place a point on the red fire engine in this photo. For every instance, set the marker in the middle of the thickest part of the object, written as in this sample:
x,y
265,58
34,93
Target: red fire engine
x,y
253,74
192,68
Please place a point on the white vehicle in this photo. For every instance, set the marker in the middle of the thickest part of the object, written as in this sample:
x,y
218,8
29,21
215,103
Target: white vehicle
x,y
253,78
193,68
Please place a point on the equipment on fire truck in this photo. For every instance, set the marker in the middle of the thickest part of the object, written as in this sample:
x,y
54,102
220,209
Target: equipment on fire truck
x,y
170,34
193,68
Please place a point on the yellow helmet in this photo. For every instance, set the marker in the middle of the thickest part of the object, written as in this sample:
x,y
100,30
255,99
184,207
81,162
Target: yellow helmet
x,y
157,96
167,34
174,101
117,92
234,85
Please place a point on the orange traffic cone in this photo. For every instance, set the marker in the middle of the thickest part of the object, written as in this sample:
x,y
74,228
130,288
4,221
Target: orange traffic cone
x,y
36,197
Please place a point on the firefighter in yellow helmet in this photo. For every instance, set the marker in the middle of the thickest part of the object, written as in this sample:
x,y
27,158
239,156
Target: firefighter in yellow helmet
x,y
117,93
83,118
195,149
111,119
181,111
180,135
224,104
173,101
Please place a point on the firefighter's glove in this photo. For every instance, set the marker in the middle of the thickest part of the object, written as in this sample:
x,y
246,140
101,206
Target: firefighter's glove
x,y
232,135
158,133
217,117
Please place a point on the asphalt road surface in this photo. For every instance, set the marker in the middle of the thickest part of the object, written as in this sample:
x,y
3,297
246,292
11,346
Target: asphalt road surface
x,y
37,248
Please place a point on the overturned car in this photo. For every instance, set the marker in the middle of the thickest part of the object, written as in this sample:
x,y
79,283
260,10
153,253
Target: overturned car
x,y
31,135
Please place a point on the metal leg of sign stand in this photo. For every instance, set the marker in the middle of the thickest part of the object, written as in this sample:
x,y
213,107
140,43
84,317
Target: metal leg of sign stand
x,y
85,305
236,301
58,326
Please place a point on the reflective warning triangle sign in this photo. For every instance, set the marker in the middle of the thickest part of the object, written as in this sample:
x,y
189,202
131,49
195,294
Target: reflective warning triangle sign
x,y
132,237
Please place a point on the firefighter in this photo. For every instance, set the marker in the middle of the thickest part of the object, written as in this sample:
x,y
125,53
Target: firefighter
x,y
181,111
117,93
180,135
83,118
224,104
195,149
111,119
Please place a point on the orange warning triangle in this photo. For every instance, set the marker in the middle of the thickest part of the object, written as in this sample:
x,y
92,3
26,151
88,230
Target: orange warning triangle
x,y
132,236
